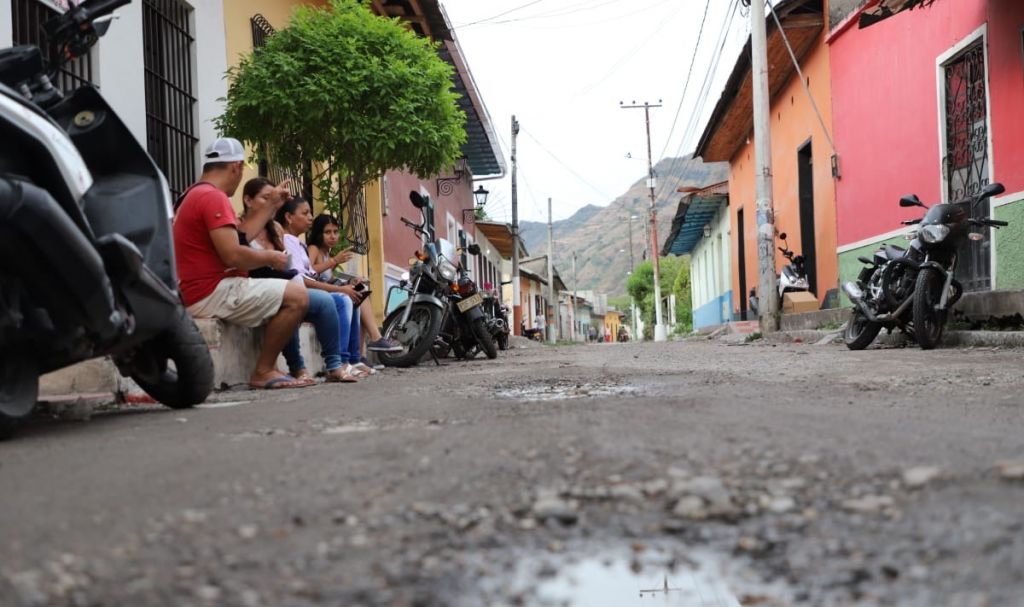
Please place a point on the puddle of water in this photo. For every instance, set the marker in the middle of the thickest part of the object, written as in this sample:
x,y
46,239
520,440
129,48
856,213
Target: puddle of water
x,y
564,392
655,576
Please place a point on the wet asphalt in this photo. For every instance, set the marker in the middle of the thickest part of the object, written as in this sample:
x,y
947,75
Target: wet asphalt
x,y
784,474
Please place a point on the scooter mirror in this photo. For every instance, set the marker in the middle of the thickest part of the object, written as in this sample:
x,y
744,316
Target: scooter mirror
x,y
418,200
911,200
102,24
782,236
992,189
474,249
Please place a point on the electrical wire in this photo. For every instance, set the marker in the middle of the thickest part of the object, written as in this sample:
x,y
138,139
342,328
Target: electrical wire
x,y
567,167
501,14
689,73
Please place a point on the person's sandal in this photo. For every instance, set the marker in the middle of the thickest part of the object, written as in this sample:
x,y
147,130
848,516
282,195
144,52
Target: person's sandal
x,y
355,371
341,375
364,369
304,378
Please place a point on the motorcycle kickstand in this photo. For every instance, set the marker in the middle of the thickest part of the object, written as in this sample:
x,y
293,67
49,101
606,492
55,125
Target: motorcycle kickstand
x,y
434,356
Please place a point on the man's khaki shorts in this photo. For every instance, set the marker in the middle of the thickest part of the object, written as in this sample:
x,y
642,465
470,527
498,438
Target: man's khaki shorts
x,y
249,302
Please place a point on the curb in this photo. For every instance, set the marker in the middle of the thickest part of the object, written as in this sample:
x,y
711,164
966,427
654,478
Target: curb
x,y
952,339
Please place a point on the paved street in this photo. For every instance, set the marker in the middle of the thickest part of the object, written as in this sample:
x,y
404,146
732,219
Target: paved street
x,y
752,474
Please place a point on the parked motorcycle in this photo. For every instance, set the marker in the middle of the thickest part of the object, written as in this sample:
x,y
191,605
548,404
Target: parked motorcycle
x,y
913,289
441,309
497,319
792,278
86,256
794,274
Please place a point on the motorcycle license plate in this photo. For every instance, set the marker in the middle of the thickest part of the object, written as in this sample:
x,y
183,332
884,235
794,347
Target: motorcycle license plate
x,y
470,302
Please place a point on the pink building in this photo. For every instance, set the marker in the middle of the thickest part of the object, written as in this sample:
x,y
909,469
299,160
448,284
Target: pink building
x,y
929,101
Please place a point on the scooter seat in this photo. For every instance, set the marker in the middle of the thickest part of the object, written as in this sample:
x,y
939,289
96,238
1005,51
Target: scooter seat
x,y
894,252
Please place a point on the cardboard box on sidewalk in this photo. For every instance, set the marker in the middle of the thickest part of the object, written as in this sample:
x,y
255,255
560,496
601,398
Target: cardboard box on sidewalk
x,y
798,302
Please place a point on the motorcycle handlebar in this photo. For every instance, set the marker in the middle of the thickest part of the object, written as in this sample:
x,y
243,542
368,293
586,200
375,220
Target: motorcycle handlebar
x,y
996,222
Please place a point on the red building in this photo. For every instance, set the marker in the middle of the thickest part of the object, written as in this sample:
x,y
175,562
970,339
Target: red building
x,y
929,101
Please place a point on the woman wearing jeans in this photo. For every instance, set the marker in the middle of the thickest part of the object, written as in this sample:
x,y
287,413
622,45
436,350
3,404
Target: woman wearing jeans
x,y
322,312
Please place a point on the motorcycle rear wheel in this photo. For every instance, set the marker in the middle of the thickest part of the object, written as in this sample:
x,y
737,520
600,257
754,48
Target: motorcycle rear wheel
x,y
19,388
484,338
929,323
417,337
190,381
860,331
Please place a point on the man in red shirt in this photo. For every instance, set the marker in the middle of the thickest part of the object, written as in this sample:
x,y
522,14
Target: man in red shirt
x,y
213,264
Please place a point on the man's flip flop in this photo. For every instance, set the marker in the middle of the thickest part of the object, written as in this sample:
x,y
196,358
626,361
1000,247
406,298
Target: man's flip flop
x,y
282,382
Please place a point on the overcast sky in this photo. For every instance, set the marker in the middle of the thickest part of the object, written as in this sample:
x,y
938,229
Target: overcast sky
x,y
562,67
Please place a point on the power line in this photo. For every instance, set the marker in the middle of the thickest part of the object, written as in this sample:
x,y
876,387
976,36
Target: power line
x,y
502,14
567,167
689,73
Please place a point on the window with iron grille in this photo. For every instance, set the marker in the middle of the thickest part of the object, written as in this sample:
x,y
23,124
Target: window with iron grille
x,y
28,17
170,103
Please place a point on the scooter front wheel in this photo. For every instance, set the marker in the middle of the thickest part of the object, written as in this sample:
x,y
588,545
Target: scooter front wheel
x,y
19,387
191,379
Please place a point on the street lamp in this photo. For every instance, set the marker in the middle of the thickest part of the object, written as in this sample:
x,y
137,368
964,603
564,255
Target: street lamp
x,y
480,196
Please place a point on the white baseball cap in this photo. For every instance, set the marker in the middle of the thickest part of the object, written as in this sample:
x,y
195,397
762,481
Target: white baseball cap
x,y
224,149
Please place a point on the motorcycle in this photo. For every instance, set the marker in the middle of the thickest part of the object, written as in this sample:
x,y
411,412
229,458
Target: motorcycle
x,y
792,278
497,319
794,274
104,282
442,309
913,289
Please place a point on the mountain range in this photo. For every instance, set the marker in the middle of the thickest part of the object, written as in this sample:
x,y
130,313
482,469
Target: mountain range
x,y
600,235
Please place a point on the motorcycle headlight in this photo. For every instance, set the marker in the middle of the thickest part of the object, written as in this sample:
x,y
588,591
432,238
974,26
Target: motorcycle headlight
x,y
447,270
934,233
405,276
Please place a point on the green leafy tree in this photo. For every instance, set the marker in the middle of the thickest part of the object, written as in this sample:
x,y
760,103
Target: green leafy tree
x,y
355,93
674,277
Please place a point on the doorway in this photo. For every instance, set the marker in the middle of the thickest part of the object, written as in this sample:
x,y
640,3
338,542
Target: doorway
x,y
805,170
741,253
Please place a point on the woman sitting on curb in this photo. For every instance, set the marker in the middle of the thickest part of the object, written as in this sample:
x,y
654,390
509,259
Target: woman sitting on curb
x,y
296,217
322,312
320,241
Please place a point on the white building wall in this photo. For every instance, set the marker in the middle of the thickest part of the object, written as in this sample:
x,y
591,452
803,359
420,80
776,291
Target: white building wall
x,y
119,68
709,265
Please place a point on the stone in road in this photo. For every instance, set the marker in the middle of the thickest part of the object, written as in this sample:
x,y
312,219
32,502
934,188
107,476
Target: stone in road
x,y
843,478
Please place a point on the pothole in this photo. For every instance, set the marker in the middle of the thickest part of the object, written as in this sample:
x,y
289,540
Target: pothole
x,y
562,390
640,575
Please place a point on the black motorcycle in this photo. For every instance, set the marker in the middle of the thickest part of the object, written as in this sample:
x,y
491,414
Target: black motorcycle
x,y
497,319
914,289
440,309
86,255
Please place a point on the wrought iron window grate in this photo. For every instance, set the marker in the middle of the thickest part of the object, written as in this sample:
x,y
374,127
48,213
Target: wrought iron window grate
x,y
170,102
28,17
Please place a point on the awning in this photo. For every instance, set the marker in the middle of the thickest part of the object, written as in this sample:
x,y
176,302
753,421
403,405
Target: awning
x,y
887,8
499,235
694,212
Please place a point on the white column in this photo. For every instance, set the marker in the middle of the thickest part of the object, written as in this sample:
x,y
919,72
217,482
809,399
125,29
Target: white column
x,y
6,24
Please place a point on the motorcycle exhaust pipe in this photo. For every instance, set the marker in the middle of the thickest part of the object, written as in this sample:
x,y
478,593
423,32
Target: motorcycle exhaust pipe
x,y
853,292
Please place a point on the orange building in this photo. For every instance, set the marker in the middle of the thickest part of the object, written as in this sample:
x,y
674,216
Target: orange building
x,y
802,156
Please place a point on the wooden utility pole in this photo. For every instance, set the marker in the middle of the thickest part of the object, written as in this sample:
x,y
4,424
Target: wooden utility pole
x,y
767,295
660,331
572,332
517,309
551,279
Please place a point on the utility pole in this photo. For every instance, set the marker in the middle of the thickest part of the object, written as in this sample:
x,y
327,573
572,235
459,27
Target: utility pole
x,y
517,309
632,304
551,278
768,297
660,331
572,333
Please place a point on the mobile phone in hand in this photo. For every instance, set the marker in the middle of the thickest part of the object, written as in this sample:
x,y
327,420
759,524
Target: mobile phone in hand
x,y
359,286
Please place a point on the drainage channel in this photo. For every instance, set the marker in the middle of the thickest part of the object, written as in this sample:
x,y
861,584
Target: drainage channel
x,y
644,574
